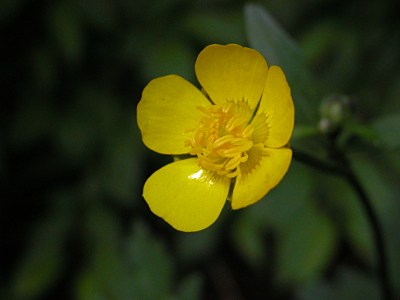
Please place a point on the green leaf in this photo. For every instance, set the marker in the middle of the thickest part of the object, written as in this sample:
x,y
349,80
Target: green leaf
x,y
344,206
198,246
159,57
291,197
150,265
106,275
190,288
43,262
305,131
66,28
387,128
347,284
268,37
212,27
379,176
88,287
10,9
306,248
276,212
249,238
44,255
121,165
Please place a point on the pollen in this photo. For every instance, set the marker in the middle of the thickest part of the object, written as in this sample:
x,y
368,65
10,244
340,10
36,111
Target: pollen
x,y
228,138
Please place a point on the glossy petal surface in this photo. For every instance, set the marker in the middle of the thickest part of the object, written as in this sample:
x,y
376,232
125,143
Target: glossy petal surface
x,y
256,184
185,195
232,73
167,110
278,105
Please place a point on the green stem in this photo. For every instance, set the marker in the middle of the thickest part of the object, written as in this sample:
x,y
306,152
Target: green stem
x,y
344,169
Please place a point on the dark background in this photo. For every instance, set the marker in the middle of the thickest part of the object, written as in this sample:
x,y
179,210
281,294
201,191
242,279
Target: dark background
x,y
72,164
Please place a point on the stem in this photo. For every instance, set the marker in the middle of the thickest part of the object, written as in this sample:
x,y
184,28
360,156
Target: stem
x,y
347,172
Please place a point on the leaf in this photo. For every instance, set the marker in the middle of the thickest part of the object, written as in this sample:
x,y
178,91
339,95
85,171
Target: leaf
x,y
291,197
347,284
44,255
198,246
276,212
10,9
221,27
344,206
305,250
379,175
121,165
305,131
249,238
268,37
158,57
190,287
105,274
387,128
150,265
43,262
66,29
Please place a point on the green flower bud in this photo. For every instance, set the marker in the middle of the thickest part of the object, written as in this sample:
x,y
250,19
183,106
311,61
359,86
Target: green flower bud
x,y
334,111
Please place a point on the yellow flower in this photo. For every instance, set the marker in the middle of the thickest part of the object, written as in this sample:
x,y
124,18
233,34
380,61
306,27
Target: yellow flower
x,y
234,133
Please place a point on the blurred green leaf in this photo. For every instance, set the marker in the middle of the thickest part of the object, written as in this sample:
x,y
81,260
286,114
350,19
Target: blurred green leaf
x,y
306,248
9,9
277,212
88,121
189,288
380,178
347,284
88,287
106,274
33,121
44,72
102,15
344,206
198,246
353,129
150,265
292,196
387,128
216,27
158,57
305,131
267,36
391,104
122,162
381,183
43,262
336,63
3,162
66,28
249,239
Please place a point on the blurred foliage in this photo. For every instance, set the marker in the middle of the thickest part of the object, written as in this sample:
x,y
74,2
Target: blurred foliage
x,y
72,164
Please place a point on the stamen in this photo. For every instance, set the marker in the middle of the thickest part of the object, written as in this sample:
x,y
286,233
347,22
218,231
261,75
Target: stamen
x,y
224,140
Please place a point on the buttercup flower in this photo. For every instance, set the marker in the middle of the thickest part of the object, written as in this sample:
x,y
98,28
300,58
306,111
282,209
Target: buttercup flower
x,y
232,136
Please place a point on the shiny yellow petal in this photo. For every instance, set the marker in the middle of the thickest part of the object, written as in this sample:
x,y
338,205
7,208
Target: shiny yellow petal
x,y
186,196
265,176
167,110
232,73
278,105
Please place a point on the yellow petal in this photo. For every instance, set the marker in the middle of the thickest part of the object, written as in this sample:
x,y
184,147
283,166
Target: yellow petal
x,y
167,111
278,105
186,196
232,73
252,187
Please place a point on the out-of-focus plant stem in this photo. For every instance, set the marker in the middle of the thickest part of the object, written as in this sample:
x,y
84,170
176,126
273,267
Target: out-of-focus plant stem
x,y
343,168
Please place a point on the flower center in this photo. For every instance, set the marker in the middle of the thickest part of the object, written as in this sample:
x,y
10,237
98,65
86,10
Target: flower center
x,y
227,139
